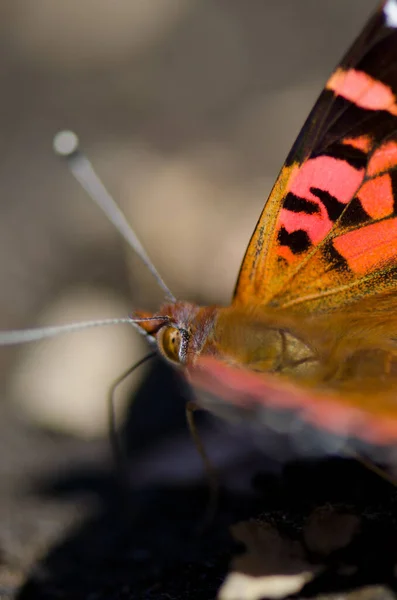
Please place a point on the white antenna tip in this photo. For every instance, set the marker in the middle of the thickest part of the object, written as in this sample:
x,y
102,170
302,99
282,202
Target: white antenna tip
x,y
65,143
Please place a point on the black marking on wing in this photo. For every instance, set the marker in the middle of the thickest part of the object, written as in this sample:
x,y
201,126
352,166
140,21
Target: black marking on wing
x,y
335,260
297,241
332,205
353,156
354,214
393,177
297,204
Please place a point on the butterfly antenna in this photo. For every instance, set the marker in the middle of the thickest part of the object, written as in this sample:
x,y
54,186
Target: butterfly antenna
x,y
22,336
66,144
16,336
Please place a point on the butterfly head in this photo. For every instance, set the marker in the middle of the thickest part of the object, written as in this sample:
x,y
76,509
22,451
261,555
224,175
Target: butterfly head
x,y
179,330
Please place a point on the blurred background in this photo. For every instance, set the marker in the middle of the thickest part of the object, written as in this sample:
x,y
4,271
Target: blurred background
x,y
187,109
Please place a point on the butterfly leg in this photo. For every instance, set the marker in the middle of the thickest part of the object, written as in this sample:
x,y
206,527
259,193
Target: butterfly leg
x,y
371,466
212,476
119,458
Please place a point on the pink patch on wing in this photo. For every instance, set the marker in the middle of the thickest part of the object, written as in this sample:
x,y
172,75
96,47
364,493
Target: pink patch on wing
x,y
316,226
363,90
331,175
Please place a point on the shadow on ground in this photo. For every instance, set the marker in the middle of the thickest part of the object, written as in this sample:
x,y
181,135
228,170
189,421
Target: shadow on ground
x,y
143,541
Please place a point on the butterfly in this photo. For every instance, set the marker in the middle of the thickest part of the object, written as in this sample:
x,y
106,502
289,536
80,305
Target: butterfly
x,y
312,327
311,332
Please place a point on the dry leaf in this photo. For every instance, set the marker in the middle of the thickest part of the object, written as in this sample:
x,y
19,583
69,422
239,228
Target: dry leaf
x,y
272,567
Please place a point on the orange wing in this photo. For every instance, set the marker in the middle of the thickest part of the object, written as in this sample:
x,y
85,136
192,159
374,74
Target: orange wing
x,y
328,233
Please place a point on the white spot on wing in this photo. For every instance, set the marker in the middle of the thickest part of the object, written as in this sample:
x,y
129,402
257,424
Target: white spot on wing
x,y
390,12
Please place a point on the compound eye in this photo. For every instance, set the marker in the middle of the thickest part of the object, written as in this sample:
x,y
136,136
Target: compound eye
x,y
169,342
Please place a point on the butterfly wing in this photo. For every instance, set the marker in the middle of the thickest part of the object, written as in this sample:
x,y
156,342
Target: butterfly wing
x,y
328,233
263,399
326,238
